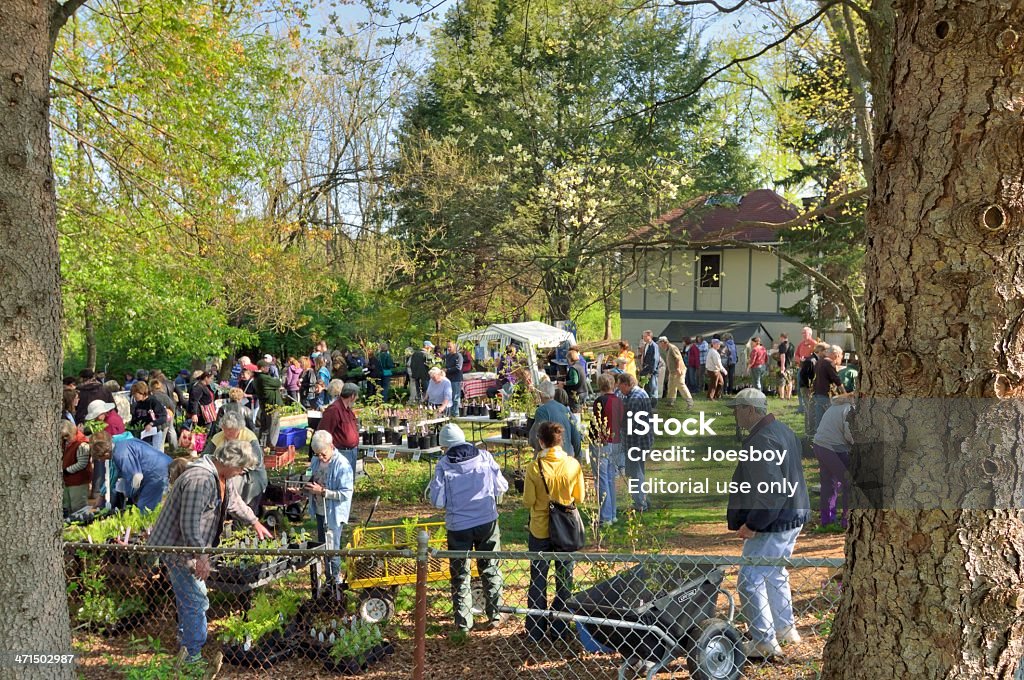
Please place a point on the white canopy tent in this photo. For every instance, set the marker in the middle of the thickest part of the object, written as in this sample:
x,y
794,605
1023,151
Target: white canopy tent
x,y
529,335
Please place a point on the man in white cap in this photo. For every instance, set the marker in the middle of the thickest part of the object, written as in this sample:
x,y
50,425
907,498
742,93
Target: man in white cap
x,y
714,370
272,366
768,518
468,485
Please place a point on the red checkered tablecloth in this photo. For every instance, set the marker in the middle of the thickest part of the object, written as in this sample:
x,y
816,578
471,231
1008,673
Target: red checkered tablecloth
x,y
477,387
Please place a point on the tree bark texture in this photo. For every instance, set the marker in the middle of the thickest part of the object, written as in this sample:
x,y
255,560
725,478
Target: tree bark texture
x,y
933,588
33,607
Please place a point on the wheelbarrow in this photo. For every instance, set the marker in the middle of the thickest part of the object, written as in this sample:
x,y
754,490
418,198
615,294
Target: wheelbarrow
x,y
652,614
375,580
284,498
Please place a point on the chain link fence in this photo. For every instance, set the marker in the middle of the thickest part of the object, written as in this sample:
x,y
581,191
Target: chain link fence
x,y
274,612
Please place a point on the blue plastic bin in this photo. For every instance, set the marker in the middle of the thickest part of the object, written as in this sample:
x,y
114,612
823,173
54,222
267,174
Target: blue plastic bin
x,y
292,436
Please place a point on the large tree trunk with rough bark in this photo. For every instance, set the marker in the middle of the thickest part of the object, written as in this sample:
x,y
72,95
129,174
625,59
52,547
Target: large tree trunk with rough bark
x,y
933,584
33,608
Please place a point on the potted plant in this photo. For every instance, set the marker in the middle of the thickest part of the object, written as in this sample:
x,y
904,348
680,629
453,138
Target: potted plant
x,y
357,648
102,609
257,638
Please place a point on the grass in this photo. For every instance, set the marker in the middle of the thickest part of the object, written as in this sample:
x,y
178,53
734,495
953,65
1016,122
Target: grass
x,y
710,506
403,482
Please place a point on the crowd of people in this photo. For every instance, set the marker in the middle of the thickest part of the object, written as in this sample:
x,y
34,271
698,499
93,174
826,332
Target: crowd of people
x,y
115,449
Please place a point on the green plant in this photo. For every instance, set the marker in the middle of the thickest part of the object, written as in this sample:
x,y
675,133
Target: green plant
x,y
91,427
283,410
130,520
355,642
246,538
99,606
267,615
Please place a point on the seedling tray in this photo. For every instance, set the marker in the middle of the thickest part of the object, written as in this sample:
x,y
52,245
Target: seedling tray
x,y
271,650
353,666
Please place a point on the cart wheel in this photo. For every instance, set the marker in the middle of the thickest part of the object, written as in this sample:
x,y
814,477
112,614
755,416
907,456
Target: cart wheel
x,y
294,512
479,599
376,605
716,653
275,521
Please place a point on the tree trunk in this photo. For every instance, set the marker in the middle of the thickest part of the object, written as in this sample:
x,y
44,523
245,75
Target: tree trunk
x,y
90,340
932,588
33,607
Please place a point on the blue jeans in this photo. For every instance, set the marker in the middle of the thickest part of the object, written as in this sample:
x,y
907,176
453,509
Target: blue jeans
x,y
151,493
766,598
605,463
192,602
334,563
756,374
691,379
821,404
351,455
637,470
456,398
385,386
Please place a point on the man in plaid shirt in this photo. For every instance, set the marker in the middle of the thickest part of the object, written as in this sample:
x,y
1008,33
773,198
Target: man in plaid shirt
x,y
635,400
194,512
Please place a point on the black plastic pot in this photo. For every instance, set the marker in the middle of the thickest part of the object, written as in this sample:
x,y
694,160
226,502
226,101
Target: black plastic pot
x,y
354,666
125,624
272,649
463,411
495,415
424,441
396,438
506,431
435,440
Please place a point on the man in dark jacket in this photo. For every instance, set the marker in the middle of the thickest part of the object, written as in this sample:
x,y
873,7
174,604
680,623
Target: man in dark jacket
x,y
419,367
453,362
649,369
767,509
635,446
805,384
89,390
268,390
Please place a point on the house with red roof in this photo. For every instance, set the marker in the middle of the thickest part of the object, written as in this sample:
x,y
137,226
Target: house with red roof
x,y
688,279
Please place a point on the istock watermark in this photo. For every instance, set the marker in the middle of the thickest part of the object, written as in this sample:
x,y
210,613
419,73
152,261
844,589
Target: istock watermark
x,y
642,423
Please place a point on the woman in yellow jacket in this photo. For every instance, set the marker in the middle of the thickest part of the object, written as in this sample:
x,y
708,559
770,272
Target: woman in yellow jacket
x,y
563,477
626,353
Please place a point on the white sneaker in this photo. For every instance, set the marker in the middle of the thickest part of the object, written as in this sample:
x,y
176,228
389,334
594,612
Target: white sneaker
x,y
788,636
761,650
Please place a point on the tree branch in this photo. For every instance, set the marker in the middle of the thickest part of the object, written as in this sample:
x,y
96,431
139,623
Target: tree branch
x,y
59,16
852,308
725,67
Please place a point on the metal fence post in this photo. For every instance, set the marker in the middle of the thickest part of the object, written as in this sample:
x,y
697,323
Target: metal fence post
x,y
419,655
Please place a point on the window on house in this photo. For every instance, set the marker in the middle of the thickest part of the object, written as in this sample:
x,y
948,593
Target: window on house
x,y
710,271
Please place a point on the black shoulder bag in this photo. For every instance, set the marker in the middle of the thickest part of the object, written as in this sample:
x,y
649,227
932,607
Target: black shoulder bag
x,y
565,527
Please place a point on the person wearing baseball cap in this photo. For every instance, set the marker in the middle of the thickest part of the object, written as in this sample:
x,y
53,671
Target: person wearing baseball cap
x,y
468,485
273,370
768,521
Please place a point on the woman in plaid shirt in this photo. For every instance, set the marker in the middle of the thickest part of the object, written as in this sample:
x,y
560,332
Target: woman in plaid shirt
x,y
194,513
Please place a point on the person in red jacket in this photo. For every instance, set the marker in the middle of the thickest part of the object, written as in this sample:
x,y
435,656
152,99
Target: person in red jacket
x,y
693,366
76,467
340,420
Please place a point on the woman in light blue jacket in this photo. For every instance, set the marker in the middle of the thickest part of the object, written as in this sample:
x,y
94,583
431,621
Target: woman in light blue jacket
x,y
330,493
